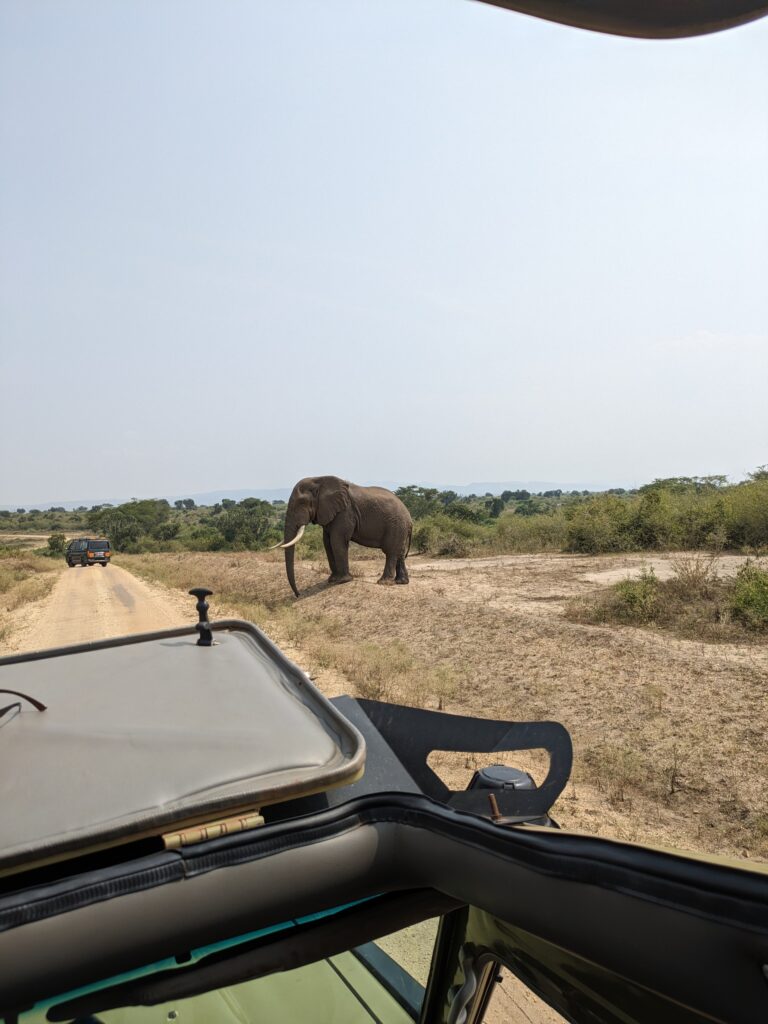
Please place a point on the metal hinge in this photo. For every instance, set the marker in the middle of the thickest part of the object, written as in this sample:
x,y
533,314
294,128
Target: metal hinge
x,y
212,830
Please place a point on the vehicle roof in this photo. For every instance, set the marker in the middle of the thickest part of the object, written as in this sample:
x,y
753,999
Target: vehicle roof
x,y
143,735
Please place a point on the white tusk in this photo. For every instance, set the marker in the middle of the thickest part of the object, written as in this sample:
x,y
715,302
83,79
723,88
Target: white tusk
x,y
296,539
273,546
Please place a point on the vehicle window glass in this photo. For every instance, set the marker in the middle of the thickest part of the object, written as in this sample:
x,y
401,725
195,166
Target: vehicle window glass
x,y
512,1002
99,545
401,962
381,982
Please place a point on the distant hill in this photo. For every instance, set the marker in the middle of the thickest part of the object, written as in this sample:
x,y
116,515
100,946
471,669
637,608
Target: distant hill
x,y
205,498
282,493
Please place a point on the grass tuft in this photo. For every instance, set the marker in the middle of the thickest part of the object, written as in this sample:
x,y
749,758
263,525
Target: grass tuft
x,y
695,603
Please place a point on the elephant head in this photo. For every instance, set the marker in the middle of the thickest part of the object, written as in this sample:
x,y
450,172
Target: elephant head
x,y
316,499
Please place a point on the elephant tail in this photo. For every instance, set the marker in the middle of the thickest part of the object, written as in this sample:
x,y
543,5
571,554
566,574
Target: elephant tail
x,y
410,534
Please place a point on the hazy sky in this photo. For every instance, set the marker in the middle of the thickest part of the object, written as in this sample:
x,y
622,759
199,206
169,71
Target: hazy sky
x,y
412,240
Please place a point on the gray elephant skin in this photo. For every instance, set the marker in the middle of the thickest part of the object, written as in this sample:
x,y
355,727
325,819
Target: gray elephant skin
x,y
371,516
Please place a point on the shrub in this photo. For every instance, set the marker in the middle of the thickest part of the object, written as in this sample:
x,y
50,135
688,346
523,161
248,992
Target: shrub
x,y
634,602
311,544
531,533
637,601
599,524
652,522
749,597
695,576
460,510
441,535
747,515
57,543
167,530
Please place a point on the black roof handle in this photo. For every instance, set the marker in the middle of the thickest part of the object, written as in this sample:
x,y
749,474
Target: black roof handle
x,y
413,733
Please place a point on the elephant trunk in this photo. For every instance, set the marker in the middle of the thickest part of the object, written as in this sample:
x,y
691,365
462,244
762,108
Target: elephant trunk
x,y
290,533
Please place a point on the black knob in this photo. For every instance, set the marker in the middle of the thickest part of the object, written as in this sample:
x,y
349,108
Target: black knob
x,y
206,637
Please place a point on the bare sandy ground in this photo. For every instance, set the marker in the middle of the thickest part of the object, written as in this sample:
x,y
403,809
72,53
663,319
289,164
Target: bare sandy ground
x,y
92,603
663,566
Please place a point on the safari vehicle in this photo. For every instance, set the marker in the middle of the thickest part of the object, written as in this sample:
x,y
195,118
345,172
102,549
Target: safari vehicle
x,y
88,551
192,832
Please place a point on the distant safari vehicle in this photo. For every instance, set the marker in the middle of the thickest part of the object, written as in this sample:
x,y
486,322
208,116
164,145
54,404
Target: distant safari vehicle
x,y
88,551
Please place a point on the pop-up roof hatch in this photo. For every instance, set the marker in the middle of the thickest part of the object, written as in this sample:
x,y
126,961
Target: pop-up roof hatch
x,y
109,742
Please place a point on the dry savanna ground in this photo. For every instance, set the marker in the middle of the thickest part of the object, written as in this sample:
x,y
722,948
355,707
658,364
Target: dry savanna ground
x,y
669,733
25,579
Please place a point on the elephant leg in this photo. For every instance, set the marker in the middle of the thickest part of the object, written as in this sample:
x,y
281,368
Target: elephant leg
x,y
340,551
401,575
388,576
329,553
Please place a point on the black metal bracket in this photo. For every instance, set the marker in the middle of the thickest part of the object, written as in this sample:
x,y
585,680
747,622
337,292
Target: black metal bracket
x,y
203,627
413,733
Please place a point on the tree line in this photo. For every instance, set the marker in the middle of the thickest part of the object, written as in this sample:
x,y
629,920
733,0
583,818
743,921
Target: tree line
x,y
666,514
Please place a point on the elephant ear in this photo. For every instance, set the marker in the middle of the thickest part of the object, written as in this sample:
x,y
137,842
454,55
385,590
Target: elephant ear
x,y
333,498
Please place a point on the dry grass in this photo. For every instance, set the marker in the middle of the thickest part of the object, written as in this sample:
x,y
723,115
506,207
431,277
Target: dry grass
x,y
25,578
253,586
670,737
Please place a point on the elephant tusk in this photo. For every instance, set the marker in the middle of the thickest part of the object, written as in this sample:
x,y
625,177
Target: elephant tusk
x,y
273,546
296,539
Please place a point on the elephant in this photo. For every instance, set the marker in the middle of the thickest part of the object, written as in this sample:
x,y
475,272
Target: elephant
x,y
371,516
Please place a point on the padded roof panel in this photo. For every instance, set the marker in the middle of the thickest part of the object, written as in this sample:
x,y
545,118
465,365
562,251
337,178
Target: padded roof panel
x,y
141,737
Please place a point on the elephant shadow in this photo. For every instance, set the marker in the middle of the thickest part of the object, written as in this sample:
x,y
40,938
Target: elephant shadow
x,y
316,588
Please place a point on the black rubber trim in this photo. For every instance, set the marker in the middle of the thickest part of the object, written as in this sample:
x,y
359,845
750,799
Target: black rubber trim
x,y
605,862
656,875
31,905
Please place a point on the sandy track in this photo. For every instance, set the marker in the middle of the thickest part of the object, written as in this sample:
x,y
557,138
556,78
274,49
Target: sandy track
x,y
93,605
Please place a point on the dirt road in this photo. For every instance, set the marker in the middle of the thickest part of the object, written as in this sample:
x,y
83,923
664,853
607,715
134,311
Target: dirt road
x,y
92,605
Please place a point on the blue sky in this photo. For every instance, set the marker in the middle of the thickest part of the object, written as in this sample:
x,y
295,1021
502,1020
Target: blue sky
x,y
245,242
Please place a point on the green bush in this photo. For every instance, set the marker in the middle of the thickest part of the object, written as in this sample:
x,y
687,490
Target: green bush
x,y
531,533
311,544
652,522
57,544
600,524
749,597
637,601
747,515
442,535
167,530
